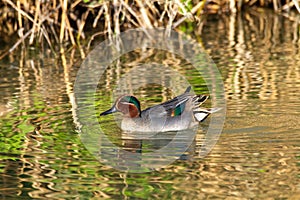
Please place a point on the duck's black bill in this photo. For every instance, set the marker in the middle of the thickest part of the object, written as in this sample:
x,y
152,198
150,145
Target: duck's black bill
x,y
112,110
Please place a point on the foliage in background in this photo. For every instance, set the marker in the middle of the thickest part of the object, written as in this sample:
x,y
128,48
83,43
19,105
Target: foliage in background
x,y
65,22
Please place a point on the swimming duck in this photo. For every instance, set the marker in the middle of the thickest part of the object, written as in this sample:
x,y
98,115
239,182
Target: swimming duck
x,y
180,113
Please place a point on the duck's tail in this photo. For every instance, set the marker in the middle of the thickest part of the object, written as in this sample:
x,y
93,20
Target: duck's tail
x,y
201,114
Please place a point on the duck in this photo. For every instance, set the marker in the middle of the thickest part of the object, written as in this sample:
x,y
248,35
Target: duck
x,y
180,113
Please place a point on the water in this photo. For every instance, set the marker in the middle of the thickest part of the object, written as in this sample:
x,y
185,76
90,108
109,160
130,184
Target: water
x,y
257,155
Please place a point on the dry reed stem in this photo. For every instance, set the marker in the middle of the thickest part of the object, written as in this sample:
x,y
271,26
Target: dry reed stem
x,y
296,5
152,7
36,16
100,12
108,21
232,6
46,36
117,8
19,14
163,13
82,24
132,12
93,37
146,20
172,12
63,20
73,5
70,31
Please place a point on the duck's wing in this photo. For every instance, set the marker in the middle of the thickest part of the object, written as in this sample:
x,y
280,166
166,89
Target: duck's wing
x,y
176,106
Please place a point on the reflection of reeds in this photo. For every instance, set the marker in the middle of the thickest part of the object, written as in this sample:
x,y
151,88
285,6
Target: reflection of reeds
x,y
268,77
60,21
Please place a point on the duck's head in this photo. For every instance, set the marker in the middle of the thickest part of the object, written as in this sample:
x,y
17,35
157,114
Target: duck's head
x,y
126,104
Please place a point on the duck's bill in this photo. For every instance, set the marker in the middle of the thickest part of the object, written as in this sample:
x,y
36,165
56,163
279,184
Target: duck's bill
x,y
111,110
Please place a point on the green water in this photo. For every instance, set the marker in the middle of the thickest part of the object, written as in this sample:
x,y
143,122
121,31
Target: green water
x,y
256,157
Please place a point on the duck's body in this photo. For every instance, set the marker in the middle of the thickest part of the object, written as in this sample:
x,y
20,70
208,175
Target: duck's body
x,y
180,113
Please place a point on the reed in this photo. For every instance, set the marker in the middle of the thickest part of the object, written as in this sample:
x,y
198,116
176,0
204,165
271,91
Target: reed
x,y
63,23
